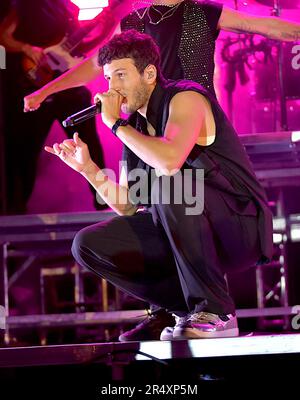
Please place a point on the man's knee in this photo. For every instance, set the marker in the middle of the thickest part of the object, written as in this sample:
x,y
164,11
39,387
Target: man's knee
x,y
83,243
77,244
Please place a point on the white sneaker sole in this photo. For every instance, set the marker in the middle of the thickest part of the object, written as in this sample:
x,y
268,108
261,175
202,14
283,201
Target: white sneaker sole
x,y
193,333
167,334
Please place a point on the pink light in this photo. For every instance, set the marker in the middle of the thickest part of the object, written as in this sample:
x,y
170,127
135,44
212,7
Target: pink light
x,y
90,3
89,8
90,13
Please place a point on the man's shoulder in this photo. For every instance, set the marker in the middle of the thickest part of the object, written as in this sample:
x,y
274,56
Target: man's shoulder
x,y
206,3
183,85
134,17
138,16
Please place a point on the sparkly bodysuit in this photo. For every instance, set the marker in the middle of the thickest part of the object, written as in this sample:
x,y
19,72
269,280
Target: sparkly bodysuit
x,y
187,40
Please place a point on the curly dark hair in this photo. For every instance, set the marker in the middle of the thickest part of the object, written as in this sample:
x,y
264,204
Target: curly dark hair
x,y
140,47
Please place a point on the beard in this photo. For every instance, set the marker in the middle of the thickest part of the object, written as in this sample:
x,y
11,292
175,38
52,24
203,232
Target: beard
x,y
141,96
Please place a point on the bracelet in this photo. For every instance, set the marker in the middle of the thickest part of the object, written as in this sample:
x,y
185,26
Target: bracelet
x,y
119,122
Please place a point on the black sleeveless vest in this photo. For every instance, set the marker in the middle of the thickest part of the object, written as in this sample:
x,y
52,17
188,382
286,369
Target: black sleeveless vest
x,y
226,165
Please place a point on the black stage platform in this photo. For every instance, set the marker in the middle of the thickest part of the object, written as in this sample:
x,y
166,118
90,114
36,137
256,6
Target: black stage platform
x,y
257,365
187,368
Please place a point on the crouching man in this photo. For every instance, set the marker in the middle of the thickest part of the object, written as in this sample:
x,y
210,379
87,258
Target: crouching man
x,y
168,253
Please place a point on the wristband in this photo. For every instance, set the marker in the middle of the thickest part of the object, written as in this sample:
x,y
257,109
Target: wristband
x,y
119,122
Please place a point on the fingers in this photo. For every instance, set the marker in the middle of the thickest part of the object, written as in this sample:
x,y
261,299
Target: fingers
x,y
66,151
31,109
70,144
49,149
60,150
97,98
64,148
78,142
56,149
28,106
100,96
111,93
53,150
67,147
114,92
37,55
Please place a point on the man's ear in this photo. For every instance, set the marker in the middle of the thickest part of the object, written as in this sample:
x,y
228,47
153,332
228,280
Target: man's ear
x,y
150,74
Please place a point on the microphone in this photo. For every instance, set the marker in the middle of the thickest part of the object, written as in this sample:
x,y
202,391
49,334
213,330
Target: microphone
x,y
82,115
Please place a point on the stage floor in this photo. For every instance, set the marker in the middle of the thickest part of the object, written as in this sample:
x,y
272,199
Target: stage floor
x,y
249,345
256,365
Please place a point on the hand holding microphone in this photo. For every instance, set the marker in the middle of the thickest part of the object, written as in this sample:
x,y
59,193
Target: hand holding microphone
x,y
82,115
74,152
108,104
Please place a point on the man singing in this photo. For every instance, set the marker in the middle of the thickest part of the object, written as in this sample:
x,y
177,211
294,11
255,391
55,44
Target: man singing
x,y
163,254
186,32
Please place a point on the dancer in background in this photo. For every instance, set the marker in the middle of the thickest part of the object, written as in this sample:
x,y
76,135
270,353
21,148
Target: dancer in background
x,y
26,28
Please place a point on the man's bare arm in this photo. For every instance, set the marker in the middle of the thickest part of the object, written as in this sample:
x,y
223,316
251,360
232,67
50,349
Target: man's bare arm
x,y
80,75
74,153
7,39
271,27
114,194
188,111
84,72
7,28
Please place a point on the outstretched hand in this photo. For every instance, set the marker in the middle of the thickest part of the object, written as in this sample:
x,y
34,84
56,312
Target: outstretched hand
x,y
73,152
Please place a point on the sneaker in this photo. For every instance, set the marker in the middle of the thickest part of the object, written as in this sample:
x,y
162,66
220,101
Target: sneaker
x,y
150,328
206,325
167,332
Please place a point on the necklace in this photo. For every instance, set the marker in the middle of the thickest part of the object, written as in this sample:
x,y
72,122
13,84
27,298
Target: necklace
x,y
167,14
163,16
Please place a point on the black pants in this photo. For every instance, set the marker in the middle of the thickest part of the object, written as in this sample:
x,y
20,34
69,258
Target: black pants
x,y
170,259
25,133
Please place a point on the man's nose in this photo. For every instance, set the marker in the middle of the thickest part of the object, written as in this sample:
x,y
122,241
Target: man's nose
x,y
114,85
